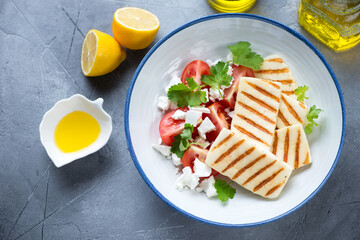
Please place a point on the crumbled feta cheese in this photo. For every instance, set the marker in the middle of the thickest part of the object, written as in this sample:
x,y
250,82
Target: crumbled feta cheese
x,y
215,94
192,117
201,169
163,103
205,127
175,80
179,115
231,114
187,179
176,160
164,150
200,109
230,71
211,63
207,185
201,141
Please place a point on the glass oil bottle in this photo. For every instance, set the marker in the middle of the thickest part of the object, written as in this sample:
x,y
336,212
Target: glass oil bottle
x,y
336,23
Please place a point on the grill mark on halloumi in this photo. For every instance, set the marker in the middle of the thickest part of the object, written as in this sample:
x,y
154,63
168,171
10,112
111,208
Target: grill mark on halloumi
x,y
271,83
275,143
288,92
238,159
284,82
228,152
291,110
260,102
250,135
274,189
223,141
250,109
279,60
259,172
266,181
283,119
272,71
307,159
263,91
297,149
302,104
286,146
292,146
252,123
249,165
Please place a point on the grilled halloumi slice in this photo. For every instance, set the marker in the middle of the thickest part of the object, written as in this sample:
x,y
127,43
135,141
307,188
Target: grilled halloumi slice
x,y
291,112
291,146
274,69
256,110
250,166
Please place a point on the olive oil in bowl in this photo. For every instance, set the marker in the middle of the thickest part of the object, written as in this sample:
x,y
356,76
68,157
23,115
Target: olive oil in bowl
x,y
336,23
76,131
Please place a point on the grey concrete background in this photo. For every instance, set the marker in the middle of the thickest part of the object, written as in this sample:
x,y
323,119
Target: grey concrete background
x,y
103,196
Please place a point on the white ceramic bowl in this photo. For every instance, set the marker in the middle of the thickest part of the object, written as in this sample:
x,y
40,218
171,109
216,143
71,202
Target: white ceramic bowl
x,y
63,107
207,39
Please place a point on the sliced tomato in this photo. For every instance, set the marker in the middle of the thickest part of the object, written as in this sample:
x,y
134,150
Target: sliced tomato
x,y
219,118
195,69
195,152
238,72
169,127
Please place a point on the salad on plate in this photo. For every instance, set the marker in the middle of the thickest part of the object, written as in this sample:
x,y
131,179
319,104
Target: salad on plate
x,y
244,118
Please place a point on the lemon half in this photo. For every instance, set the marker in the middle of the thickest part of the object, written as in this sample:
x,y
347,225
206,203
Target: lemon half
x,y
134,28
101,54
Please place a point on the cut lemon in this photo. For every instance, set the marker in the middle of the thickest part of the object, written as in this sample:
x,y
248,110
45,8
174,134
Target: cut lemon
x,y
101,54
134,28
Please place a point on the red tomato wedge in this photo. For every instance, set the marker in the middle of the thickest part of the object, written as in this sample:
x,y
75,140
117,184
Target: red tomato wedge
x,y
195,69
238,72
195,152
192,153
169,127
219,118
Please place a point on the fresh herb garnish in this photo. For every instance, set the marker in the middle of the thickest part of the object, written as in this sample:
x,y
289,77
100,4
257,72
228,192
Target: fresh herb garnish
x,y
313,114
190,95
300,92
218,77
182,141
242,55
224,190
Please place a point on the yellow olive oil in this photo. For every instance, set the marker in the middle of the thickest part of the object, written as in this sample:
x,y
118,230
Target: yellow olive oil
x,y
76,131
336,23
227,6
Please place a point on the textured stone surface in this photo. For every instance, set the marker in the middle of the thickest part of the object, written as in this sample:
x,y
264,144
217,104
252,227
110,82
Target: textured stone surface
x,y
102,196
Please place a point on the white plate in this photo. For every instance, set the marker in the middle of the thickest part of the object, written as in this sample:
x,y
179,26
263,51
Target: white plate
x,y
207,39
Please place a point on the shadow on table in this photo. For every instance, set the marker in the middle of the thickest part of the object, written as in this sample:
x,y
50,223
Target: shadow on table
x,y
86,169
113,80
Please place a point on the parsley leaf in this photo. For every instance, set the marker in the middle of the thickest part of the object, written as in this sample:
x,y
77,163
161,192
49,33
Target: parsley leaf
x,y
242,55
190,95
300,92
224,190
313,114
182,141
218,76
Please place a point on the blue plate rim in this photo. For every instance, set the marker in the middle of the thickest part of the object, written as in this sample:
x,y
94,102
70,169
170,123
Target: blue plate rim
x,y
217,16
